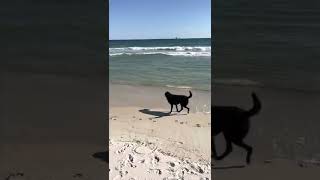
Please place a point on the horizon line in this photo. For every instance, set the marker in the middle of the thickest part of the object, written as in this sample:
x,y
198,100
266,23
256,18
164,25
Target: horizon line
x,y
159,38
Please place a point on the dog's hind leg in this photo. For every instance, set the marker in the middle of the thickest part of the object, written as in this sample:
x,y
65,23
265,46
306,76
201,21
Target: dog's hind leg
x,y
187,108
228,149
246,147
177,108
181,108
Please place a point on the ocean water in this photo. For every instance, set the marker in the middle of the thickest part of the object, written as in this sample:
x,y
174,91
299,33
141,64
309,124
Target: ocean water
x,y
178,63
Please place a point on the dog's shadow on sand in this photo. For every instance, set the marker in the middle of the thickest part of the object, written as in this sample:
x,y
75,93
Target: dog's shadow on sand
x,y
157,114
103,156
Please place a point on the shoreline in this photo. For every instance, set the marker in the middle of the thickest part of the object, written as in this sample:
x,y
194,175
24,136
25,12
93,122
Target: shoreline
x,y
153,97
182,87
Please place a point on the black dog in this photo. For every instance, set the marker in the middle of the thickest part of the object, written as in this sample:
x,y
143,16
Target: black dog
x,y
234,123
178,99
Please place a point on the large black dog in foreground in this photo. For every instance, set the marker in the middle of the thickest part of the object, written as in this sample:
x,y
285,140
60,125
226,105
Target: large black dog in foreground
x,y
178,99
234,124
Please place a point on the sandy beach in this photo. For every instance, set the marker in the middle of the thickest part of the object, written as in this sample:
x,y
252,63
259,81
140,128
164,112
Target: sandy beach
x,y
145,142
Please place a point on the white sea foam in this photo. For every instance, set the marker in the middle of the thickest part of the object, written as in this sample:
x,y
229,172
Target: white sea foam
x,y
164,53
179,87
175,48
170,51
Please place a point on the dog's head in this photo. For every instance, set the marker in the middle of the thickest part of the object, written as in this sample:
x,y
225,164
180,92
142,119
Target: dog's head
x,y
167,94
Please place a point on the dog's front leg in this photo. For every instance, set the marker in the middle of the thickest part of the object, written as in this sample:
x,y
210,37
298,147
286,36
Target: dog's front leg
x,y
171,108
228,148
214,151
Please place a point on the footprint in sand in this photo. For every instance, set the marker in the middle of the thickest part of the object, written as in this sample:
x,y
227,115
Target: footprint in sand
x,y
78,175
15,176
123,148
172,164
156,171
121,173
196,169
155,160
144,150
132,165
130,157
204,178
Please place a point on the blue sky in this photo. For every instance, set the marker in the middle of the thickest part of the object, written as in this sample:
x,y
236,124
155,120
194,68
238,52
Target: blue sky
x,y
159,19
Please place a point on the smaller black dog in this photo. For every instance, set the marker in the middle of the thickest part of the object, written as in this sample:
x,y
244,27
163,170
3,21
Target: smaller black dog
x,y
178,99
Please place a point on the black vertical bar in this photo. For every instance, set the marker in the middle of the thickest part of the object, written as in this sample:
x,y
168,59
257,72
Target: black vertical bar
x,y
54,89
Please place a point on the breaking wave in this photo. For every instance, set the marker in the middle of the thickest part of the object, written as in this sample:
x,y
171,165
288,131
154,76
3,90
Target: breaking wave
x,y
170,51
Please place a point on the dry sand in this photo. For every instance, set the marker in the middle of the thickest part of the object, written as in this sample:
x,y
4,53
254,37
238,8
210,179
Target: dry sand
x,y
142,146
148,143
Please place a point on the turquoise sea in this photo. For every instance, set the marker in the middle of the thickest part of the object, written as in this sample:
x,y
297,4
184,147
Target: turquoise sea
x,y
179,63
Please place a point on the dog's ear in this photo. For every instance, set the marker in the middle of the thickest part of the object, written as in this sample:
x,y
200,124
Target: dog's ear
x,y
166,93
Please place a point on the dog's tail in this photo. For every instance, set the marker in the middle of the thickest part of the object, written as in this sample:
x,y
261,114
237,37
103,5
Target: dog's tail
x,y
190,94
256,105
